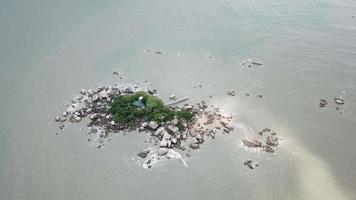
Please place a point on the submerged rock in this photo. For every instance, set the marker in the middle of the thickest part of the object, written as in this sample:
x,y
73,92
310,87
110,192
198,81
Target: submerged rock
x,y
143,154
322,103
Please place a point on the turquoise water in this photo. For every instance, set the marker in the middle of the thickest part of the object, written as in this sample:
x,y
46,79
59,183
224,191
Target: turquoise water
x,y
49,50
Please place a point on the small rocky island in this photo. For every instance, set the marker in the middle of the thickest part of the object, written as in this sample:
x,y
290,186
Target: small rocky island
x,y
124,108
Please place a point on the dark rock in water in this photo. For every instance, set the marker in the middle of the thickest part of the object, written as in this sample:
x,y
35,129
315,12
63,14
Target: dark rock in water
x,y
57,118
259,96
247,94
194,146
249,163
251,143
268,149
144,153
339,100
322,103
149,162
61,126
272,140
158,52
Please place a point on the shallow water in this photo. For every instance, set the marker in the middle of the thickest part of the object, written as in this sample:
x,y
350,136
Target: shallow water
x,y
49,50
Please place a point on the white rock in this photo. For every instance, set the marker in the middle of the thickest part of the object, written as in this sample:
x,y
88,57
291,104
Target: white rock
x,y
159,131
163,143
166,136
112,122
57,119
103,94
162,151
174,140
174,122
90,92
64,114
94,97
153,125
172,97
144,124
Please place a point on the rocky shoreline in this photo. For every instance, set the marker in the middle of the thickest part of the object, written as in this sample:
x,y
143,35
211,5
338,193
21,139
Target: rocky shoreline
x,y
176,134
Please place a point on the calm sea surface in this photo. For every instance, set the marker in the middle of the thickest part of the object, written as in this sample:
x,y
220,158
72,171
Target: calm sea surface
x,y
51,49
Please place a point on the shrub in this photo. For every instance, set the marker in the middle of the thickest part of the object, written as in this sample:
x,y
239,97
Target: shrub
x,y
125,112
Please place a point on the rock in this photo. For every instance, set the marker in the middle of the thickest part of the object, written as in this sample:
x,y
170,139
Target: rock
x,y
322,103
199,137
174,122
94,98
249,163
163,143
64,114
226,130
158,52
112,123
57,118
61,127
90,92
144,153
271,140
194,145
159,131
167,136
231,93
162,151
172,97
83,92
174,140
153,125
339,100
268,149
251,143
103,94
144,124
173,130
93,130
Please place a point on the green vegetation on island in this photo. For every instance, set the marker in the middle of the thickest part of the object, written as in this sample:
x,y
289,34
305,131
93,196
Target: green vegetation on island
x,y
142,106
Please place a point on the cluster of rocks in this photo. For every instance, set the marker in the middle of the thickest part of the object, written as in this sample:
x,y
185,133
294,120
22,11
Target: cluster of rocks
x,y
269,137
250,163
337,100
182,134
179,134
155,51
266,141
250,63
231,93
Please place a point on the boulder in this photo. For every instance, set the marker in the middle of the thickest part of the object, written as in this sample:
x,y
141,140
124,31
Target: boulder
x,y
251,143
173,130
153,125
163,143
144,153
339,100
162,151
167,136
172,97
57,118
194,145
159,131
103,94
144,124
83,92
